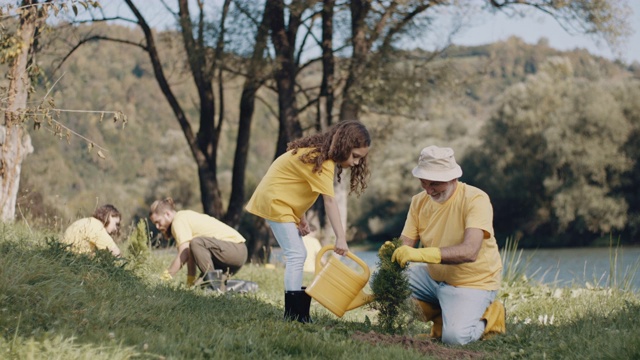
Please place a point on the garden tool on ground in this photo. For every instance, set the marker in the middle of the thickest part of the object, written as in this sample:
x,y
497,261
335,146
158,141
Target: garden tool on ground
x,y
215,281
220,282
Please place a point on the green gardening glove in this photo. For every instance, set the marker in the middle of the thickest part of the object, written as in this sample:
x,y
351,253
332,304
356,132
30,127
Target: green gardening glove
x,y
406,253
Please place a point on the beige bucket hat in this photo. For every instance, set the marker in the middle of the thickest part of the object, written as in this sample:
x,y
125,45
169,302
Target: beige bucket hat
x,y
437,164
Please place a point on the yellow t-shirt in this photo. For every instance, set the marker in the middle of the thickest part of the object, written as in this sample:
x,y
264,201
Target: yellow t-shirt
x,y
86,235
290,187
442,225
188,224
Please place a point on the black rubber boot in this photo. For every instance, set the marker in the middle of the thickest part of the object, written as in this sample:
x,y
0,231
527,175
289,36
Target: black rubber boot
x,y
215,281
296,306
304,305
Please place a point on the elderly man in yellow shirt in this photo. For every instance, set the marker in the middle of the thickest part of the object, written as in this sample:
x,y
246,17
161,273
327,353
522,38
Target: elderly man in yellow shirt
x,y
89,234
458,270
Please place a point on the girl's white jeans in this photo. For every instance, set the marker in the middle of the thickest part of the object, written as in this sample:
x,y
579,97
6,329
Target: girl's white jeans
x,y
289,239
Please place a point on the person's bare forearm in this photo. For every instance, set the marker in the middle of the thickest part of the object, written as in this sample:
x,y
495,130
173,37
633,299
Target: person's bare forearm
x,y
331,207
407,241
115,251
175,266
458,254
180,259
465,252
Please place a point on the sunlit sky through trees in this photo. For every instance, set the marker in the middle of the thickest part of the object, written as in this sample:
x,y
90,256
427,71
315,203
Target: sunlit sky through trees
x,y
480,27
496,27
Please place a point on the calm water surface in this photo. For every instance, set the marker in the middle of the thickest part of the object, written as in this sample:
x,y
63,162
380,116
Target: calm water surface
x,y
561,267
564,267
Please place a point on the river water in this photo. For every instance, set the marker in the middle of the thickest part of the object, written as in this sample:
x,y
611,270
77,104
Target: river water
x,y
560,267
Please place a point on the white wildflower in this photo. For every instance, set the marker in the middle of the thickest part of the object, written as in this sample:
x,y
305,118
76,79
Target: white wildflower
x,y
545,319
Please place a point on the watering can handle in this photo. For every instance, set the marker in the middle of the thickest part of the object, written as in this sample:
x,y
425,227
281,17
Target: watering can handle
x,y
350,255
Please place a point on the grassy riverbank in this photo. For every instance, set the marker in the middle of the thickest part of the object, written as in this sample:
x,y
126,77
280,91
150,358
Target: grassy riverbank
x,y
55,305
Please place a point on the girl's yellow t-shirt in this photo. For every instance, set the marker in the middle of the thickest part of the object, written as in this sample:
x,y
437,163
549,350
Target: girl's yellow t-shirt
x,y
442,225
86,235
290,187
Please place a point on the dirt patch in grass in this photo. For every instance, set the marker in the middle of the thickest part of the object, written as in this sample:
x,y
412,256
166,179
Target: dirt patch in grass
x,y
425,346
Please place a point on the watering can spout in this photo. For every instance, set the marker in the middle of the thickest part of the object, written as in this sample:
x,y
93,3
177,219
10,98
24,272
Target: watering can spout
x,y
360,300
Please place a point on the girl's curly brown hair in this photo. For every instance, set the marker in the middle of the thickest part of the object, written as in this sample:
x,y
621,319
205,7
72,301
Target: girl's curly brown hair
x,y
336,144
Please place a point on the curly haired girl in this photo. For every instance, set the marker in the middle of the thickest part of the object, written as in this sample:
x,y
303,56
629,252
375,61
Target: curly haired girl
x,y
291,186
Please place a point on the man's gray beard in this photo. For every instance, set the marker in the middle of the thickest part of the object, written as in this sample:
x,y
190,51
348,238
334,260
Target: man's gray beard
x,y
444,196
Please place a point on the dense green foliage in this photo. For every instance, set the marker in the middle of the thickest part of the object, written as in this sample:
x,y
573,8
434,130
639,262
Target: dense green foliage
x,y
554,156
56,304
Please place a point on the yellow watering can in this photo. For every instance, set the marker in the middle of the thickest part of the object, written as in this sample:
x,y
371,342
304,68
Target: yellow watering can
x,y
338,287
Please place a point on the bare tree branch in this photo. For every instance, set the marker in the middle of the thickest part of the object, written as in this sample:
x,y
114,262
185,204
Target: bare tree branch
x,y
97,38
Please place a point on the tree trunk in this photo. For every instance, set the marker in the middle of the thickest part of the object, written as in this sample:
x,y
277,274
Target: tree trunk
x,y
207,138
259,251
325,103
210,191
327,87
284,42
203,146
258,242
14,138
350,108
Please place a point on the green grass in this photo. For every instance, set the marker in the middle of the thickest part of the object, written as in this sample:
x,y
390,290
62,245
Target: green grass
x,y
56,305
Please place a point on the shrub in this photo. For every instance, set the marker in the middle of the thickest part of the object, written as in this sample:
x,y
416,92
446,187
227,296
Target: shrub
x,y
391,290
138,243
